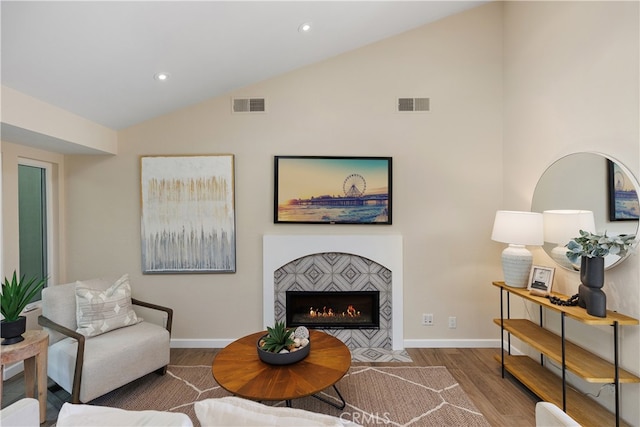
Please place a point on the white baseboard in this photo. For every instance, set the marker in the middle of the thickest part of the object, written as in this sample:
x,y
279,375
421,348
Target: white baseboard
x,y
201,343
470,343
12,370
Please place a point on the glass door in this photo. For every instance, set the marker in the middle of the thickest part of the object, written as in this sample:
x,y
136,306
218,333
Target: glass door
x,y
33,221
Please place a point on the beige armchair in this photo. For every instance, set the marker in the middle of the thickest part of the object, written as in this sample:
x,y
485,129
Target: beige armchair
x,y
104,352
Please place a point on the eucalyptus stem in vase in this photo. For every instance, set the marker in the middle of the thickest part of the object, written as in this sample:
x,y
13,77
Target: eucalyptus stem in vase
x,y
591,249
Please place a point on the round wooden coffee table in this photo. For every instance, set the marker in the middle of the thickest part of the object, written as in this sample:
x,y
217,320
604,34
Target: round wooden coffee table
x,y
239,370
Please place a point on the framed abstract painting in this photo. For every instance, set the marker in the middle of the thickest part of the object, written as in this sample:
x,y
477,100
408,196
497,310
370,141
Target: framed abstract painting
x,y
188,214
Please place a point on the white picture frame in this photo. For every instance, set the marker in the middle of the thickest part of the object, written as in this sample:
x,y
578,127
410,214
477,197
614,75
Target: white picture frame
x,y
540,280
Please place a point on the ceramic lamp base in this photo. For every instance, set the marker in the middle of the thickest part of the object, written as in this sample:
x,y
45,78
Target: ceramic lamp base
x,y
516,265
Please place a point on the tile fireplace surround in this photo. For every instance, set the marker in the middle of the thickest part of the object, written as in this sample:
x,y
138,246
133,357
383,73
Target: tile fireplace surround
x,y
315,258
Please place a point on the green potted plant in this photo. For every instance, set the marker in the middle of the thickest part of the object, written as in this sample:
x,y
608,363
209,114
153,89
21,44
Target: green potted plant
x,y
282,345
16,294
591,249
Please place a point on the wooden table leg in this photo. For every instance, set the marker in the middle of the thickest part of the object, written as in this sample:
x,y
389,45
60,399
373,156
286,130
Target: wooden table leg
x,y
1,381
41,362
35,368
30,377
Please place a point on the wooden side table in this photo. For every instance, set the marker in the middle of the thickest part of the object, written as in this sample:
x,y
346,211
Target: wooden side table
x,y
33,351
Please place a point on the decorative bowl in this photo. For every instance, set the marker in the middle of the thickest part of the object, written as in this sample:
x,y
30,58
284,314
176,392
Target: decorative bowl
x,y
282,358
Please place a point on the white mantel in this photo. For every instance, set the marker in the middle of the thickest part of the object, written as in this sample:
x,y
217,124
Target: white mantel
x,y
386,250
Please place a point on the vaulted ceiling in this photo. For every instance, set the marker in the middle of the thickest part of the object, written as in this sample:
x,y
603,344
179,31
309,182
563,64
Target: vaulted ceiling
x,y
98,59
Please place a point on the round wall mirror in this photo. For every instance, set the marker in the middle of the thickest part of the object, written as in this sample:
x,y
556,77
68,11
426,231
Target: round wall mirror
x,y
590,182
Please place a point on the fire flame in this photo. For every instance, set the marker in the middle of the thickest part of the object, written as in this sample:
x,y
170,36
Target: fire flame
x,y
329,312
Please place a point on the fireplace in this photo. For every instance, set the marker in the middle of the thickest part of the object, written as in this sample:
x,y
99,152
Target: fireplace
x,y
337,310
338,263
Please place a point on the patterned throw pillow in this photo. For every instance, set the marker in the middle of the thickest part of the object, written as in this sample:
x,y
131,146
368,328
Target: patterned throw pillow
x,y
99,311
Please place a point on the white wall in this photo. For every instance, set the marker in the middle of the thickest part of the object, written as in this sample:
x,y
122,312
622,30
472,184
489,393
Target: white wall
x,y
446,177
571,85
29,121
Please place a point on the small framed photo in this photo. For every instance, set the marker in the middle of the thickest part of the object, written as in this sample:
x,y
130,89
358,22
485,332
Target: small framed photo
x,y
540,280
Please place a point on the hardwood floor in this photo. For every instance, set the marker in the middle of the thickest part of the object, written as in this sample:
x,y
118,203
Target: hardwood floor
x,y
504,402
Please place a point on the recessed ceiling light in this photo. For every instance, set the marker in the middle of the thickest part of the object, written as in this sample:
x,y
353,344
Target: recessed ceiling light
x,y
161,76
305,28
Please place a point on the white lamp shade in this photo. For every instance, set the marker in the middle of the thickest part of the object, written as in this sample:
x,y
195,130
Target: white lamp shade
x,y
518,228
561,226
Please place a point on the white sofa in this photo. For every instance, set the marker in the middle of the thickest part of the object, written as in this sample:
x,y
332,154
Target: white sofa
x,y
23,413
226,411
236,412
549,415
96,416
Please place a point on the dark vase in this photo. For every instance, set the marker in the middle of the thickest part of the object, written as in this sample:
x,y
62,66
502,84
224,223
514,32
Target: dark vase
x,y
590,294
12,331
592,272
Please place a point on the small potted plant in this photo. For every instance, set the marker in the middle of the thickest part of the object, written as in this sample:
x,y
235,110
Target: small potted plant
x,y
16,294
283,346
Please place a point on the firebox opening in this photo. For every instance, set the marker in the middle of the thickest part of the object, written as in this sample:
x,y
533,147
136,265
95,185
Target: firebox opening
x,y
344,310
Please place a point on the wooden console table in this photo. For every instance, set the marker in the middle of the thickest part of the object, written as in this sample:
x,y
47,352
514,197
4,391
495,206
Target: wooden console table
x,y
33,351
573,358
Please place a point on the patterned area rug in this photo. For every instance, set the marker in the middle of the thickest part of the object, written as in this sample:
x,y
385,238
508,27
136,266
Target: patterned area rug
x,y
379,355
394,396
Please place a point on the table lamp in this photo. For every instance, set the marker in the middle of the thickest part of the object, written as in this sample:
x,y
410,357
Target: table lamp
x,y
561,226
517,229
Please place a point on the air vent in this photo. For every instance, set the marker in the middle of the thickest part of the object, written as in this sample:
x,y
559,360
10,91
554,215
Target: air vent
x,y
248,105
413,104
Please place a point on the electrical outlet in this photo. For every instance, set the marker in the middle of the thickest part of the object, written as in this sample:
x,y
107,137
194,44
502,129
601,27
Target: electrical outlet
x,y
452,322
427,319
